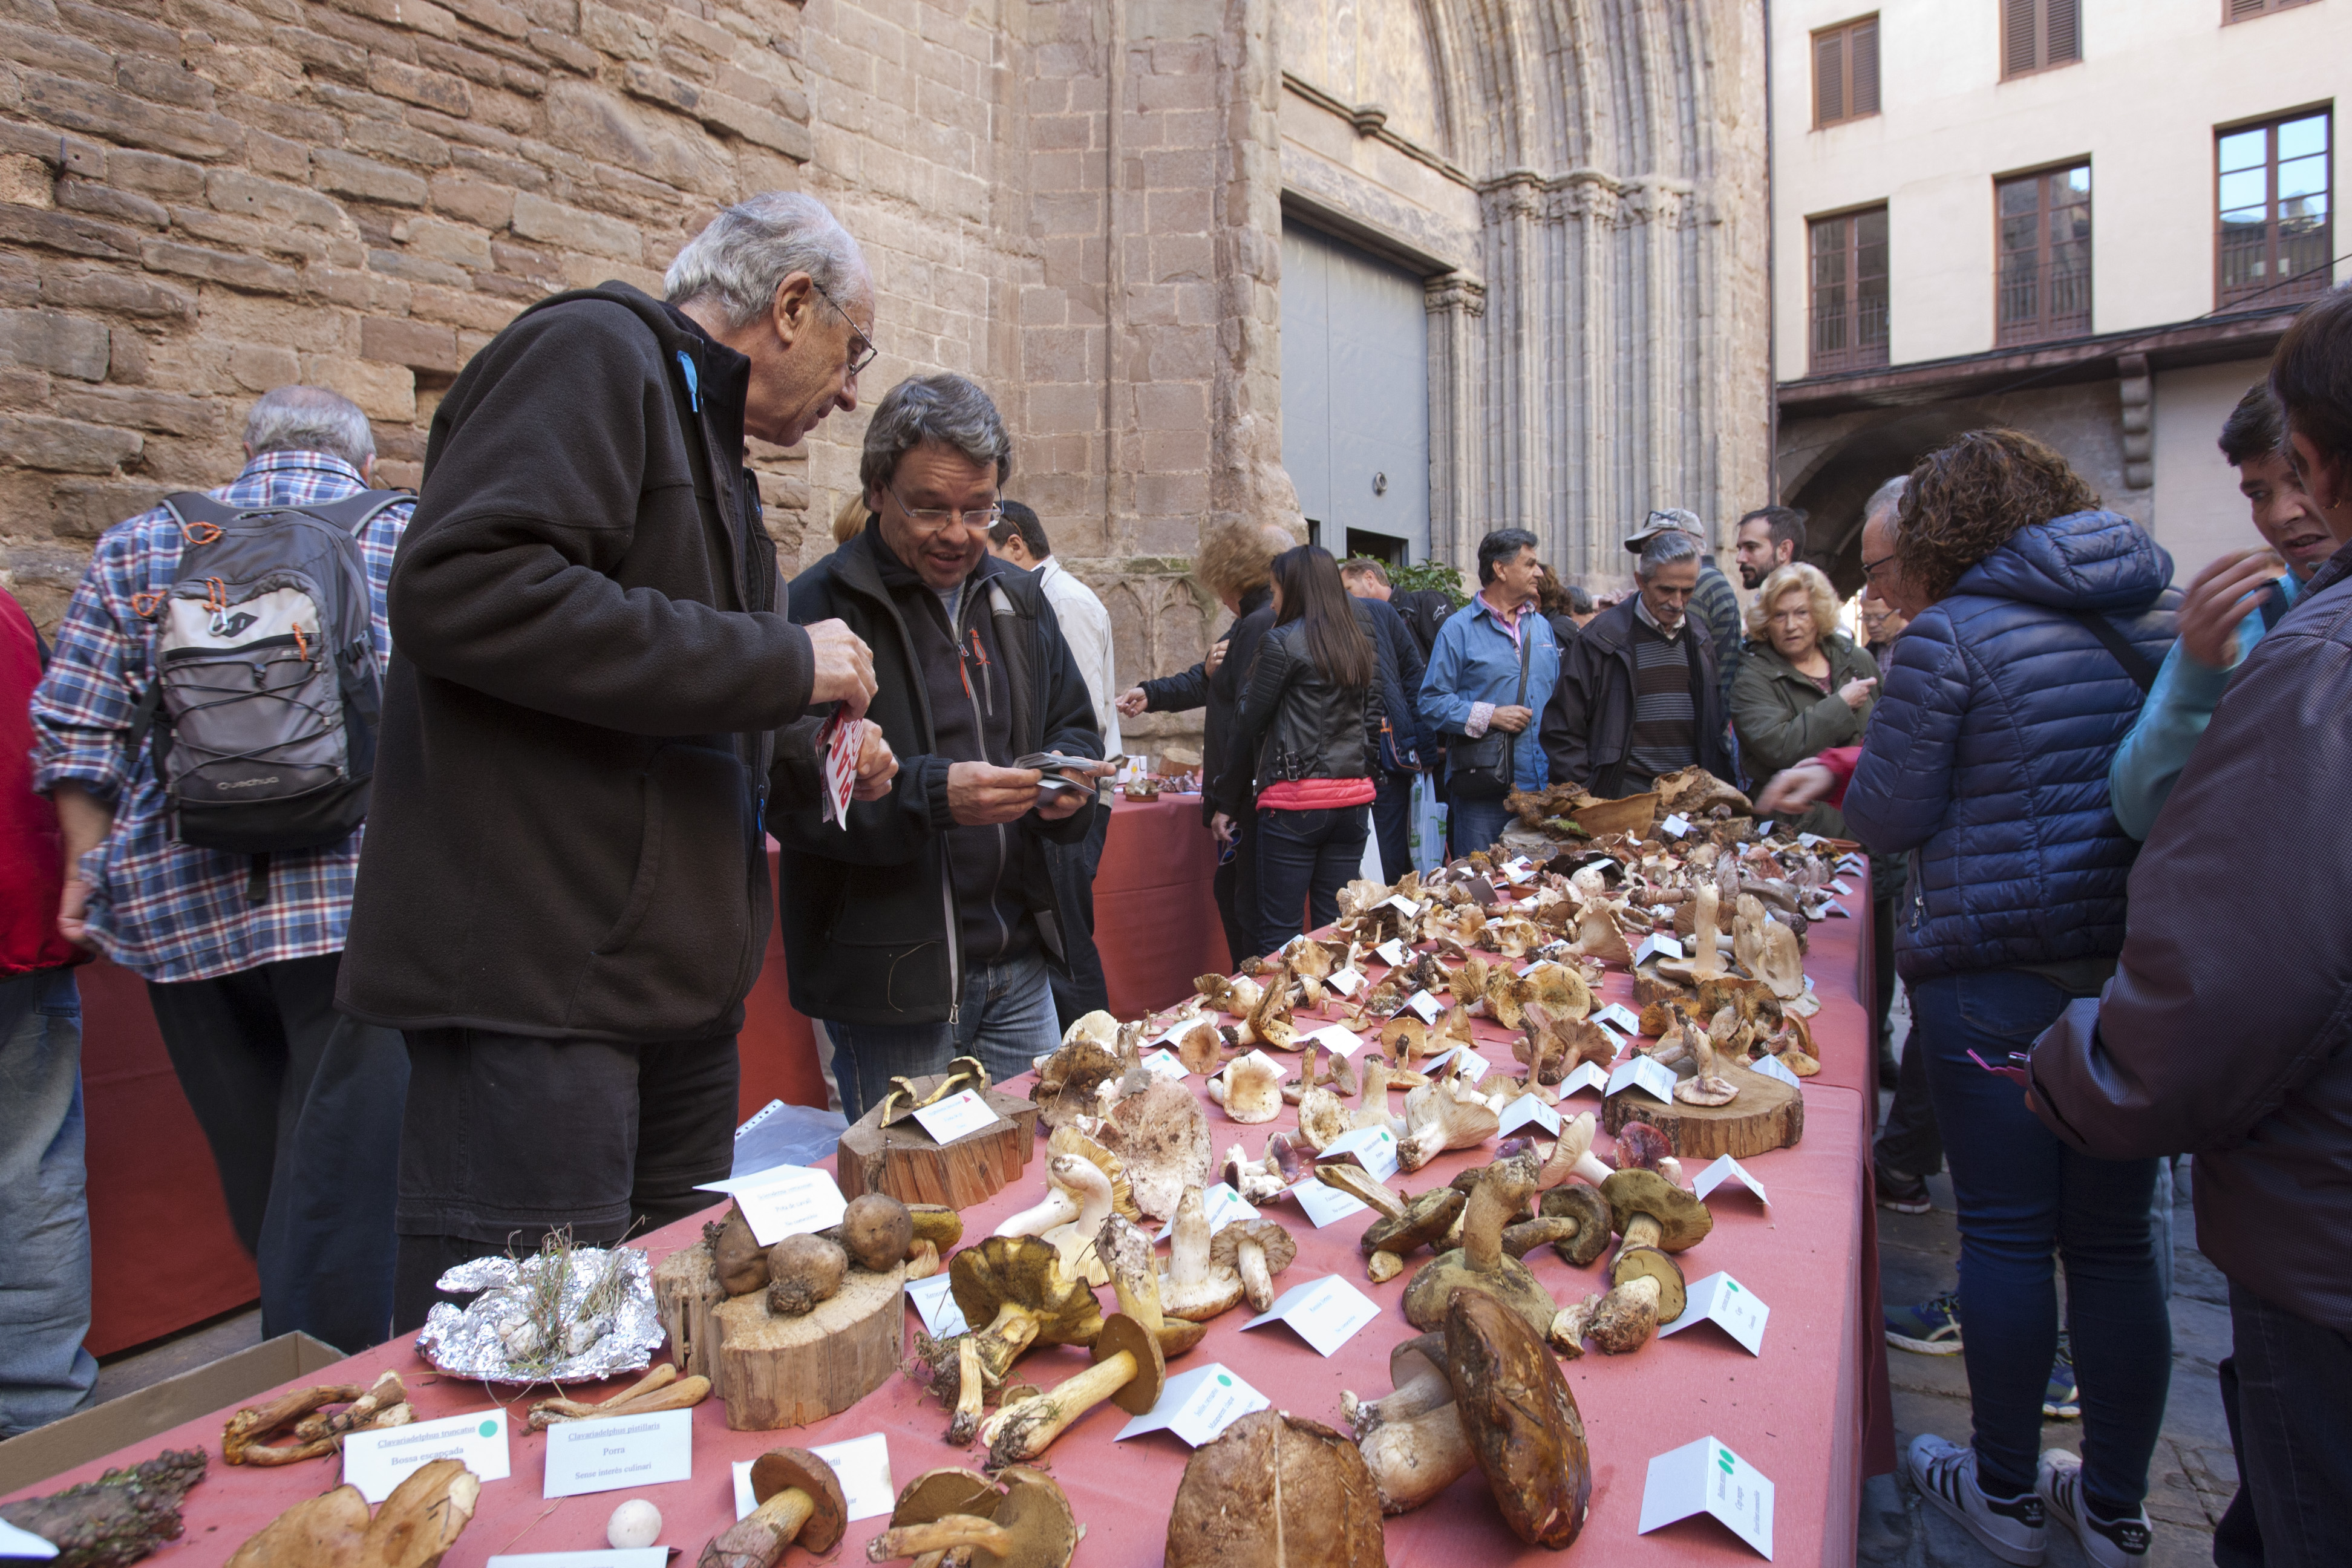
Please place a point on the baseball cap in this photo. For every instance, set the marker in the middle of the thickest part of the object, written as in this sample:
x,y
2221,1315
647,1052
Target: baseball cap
x,y
1672,520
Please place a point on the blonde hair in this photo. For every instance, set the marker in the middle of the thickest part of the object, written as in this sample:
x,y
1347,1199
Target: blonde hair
x,y
1235,560
850,521
1819,597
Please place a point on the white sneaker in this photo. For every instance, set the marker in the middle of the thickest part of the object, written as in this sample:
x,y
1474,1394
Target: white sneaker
x,y
2119,1543
1945,1476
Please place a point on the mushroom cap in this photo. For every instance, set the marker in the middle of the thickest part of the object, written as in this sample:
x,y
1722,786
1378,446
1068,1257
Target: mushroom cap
x,y
1162,1139
1633,1262
1427,1220
804,1271
1120,1332
1520,1418
1214,1297
1068,1078
1225,1246
875,1228
1275,1490
1640,1146
1034,1510
1025,1270
778,1468
1323,1117
1070,1140
935,1494
1594,1218
1449,1275
1199,1047
1683,1220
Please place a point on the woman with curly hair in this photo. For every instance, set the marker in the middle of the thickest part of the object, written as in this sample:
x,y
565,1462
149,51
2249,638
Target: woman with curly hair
x,y
1802,685
1987,762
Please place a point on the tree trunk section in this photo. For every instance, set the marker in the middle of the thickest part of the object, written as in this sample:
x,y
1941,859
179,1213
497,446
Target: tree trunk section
x,y
789,1372
903,1160
1767,1115
686,1294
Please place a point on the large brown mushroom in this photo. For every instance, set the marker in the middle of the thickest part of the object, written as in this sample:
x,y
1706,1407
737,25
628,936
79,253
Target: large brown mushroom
x,y
800,1501
1128,1370
1417,1383
413,1529
804,1271
1424,1220
1014,1289
1256,1250
1521,1420
1020,1520
1275,1491
1656,1219
875,1230
1480,1263
742,1261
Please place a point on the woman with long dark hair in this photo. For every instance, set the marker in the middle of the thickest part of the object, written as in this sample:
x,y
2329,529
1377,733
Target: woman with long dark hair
x,y
1300,745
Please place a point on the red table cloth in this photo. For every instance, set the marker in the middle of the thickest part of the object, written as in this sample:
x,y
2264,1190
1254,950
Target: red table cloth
x,y
1810,1412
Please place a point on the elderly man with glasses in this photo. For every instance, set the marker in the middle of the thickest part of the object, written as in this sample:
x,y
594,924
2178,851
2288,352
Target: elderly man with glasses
x,y
925,929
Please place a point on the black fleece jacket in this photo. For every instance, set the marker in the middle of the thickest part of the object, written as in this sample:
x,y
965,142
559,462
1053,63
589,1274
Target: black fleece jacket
x,y
587,662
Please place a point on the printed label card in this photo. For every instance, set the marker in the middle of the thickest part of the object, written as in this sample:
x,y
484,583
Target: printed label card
x,y
1619,1015
1655,943
1399,902
1324,1205
1334,1037
1720,1298
1423,1006
1727,1169
935,1303
1324,1312
1391,952
1677,824
1770,1068
376,1462
1705,1477
1162,1063
1838,886
1588,1075
1222,1205
1653,1077
1197,1405
958,1115
1345,981
613,1453
1373,1148
1526,1109
23,1543
784,1200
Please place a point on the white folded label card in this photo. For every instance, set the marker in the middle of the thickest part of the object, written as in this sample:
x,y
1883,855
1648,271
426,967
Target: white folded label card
x,y
24,1543
1770,1068
1653,1077
1809,840
1705,1477
784,1200
1725,1169
376,1462
935,1304
1621,1016
615,1452
1764,828
1324,1203
1526,1109
1334,1037
633,1557
1677,824
1326,1312
1722,1300
1164,1064
862,1466
956,1116
1399,902
1655,944
1346,982
1198,1406
1222,1204
1391,952
1588,1075
1424,1005
1838,886
1838,912
1373,1148
1472,1069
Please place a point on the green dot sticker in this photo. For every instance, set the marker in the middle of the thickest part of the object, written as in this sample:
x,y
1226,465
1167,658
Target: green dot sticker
x,y
490,1428
1223,1382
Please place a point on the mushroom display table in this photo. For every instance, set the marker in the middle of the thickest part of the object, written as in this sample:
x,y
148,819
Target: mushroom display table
x,y
1809,1412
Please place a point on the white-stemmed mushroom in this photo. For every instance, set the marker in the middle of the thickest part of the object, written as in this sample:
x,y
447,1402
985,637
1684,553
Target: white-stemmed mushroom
x,y
1250,1088
1192,1286
1437,1120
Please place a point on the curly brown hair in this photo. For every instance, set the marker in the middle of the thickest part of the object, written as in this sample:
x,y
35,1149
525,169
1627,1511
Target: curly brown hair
x,y
1970,495
1235,559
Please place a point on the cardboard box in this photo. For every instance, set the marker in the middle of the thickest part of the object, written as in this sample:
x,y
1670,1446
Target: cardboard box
x,y
233,1379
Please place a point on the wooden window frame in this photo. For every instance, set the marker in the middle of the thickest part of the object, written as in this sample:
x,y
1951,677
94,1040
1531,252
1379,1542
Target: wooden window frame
x,y
1845,65
1856,355
2312,283
2230,14
2046,329
2041,9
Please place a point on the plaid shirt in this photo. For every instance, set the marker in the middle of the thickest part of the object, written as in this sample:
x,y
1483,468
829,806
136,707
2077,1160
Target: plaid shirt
x,y
165,911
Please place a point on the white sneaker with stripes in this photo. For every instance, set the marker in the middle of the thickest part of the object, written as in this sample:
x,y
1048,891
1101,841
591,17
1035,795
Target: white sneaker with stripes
x,y
2110,1543
2011,1529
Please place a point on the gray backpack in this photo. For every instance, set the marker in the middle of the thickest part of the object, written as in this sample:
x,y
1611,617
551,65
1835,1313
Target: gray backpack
x,y
265,697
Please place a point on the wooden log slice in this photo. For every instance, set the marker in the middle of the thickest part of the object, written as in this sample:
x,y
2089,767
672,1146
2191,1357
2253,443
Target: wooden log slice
x,y
905,1161
1767,1115
789,1372
686,1294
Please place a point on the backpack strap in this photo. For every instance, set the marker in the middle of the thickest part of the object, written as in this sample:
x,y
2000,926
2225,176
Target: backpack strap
x,y
353,511
2134,663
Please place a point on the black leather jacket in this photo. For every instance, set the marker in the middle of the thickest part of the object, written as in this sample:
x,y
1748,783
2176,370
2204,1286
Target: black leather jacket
x,y
1292,723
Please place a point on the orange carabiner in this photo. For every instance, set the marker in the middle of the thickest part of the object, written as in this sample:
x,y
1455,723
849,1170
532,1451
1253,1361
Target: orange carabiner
x,y
200,532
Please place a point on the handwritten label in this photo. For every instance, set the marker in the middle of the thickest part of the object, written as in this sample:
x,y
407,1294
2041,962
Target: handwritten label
x,y
1222,1205
1334,1037
1391,952
376,1462
1324,1312
1652,1078
1705,1477
1721,1299
1656,944
784,1200
1198,1406
615,1452
1345,981
956,1116
1588,1075
1163,1063
862,1466
1770,1068
1324,1203
1727,1169
1526,1109
1423,1006
1373,1148
935,1303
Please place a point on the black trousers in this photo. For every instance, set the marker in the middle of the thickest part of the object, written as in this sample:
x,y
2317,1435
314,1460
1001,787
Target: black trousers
x,y
508,1137
1086,991
2287,1393
301,1106
1911,1143
1234,887
1392,822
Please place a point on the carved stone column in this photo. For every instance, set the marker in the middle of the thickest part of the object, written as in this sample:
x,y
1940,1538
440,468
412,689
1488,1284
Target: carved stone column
x,y
1455,303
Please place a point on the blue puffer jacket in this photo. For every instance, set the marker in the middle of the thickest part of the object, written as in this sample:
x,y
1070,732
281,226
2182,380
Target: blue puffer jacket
x,y
1989,751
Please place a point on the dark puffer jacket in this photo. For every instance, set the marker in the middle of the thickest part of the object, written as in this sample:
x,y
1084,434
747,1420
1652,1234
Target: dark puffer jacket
x,y
1989,751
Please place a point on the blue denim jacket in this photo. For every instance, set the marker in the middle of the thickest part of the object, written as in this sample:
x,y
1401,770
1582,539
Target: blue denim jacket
x,y
1475,660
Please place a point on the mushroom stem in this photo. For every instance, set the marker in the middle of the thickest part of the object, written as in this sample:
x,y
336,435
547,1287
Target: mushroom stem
x,y
1642,1230
1418,1397
1524,1238
1500,1195
760,1538
1059,1208
972,1393
1257,1285
942,1535
1414,1459
1020,1432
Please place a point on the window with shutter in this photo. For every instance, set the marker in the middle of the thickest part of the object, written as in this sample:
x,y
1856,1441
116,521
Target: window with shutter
x,y
2036,35
2244,10
2043,288
1845,72
1848,314
2274,242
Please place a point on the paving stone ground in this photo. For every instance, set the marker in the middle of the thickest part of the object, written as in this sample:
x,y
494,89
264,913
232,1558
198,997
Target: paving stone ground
x,y
2192,1476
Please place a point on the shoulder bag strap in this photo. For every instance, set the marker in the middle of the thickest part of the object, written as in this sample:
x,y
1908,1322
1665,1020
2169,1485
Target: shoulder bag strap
x,y
1511,746
2134,663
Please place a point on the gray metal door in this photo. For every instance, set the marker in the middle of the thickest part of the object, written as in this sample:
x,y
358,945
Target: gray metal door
x,y
1355,392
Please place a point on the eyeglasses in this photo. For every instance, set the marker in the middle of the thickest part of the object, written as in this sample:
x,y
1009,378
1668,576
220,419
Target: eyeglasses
x,y
1870,568
931,519
1802,615
863,355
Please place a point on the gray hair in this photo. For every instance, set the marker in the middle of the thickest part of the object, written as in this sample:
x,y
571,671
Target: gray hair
x,y
745,254
1887,502
309,419
1664,549
945,408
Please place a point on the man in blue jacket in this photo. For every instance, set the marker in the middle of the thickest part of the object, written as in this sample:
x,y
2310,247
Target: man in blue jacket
x,y
1490,672
2219,620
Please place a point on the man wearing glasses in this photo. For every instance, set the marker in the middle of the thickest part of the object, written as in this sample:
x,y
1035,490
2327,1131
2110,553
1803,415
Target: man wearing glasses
x,y
927,928
562,897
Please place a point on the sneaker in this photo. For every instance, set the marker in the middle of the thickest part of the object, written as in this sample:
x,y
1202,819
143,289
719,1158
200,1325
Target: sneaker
x,y
1931,1328
1904,1194
2109,1543
2011,1529
2062,1401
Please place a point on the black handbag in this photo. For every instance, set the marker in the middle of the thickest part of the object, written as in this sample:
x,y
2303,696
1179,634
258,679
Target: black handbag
x,y
1487,768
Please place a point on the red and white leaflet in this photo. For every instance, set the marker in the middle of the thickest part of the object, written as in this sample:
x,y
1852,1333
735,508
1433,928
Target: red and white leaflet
x,y
840,740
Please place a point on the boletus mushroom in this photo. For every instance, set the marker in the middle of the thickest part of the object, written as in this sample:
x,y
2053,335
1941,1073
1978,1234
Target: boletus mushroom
x,y
1656,1219
804,1271
1573,1220
1014,1288
1256,1250
800,1501
1193,1286
1480,1263
1275,1490
1019,1520
1424,1220
742,1261
1126,1252
1129,1370
1417,1383
1521,1420
876,1230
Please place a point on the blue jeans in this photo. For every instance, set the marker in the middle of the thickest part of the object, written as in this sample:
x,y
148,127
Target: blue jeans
x,y
2286,1389
1006,1020
2022,1195
1473,825
1304,859
45,1374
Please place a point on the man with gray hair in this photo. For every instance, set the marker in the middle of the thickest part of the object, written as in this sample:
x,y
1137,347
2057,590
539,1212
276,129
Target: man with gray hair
x,y
926,929
1714,605
240,953
566,893
1640,693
